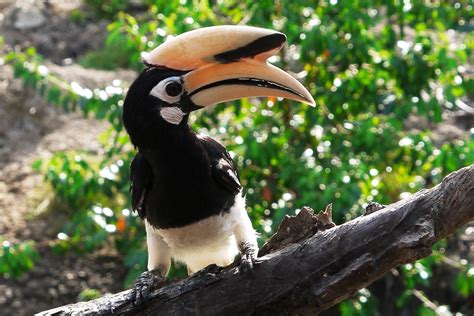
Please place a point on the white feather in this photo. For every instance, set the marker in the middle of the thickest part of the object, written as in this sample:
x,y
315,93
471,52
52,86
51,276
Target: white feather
x,y
211,240
172,114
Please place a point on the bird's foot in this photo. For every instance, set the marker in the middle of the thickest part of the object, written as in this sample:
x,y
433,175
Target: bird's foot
x,y
248,258
373,207
144,285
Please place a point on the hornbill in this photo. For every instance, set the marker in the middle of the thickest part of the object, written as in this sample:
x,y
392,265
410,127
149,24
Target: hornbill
x,y
185,185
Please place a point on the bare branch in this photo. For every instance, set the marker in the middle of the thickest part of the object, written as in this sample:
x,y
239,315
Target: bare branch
x,y
318,267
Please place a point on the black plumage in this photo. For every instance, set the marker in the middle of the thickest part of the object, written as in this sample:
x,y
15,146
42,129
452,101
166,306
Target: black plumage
x,y
178,177
141,182
223,168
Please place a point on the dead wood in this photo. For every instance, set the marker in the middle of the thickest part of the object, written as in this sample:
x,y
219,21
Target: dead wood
x,y
310,264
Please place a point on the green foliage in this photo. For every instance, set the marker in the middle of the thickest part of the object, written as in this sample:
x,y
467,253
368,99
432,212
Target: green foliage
x,y
16,259
465,282
89,294
107,8
362,304
370,66
112,56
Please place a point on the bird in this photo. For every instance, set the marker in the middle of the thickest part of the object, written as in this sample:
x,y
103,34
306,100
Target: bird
x,y
185,185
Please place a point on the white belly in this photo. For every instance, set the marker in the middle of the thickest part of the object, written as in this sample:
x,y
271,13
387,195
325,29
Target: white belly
x,y
211,240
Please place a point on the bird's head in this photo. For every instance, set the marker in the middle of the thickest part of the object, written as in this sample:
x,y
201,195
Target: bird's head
x,y
202,68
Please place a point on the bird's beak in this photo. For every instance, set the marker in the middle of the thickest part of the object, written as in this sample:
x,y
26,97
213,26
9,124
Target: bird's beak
x,y
225,63
225,82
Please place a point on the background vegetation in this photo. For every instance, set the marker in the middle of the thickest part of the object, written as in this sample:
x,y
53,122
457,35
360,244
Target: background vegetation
x,y
384,74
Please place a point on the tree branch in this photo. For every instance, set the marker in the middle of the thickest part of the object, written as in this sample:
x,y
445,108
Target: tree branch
x,y
318,267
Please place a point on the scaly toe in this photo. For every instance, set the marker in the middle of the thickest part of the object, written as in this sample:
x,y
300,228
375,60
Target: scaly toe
x,y
145,284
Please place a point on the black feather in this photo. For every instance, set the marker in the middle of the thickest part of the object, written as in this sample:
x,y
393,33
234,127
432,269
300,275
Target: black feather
x,y
222,166
141,176
177,177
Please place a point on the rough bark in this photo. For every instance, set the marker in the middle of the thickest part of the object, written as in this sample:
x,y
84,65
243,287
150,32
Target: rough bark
x,y
309,265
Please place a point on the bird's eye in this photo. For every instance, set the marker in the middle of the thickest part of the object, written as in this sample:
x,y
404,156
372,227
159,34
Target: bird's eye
x,y
168,90
174,88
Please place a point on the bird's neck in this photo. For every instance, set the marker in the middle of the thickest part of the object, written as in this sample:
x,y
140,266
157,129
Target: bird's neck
x,y
176,148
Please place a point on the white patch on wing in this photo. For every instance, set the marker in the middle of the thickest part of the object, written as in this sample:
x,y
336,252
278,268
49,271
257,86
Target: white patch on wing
x,y
172,114
211,240
232,174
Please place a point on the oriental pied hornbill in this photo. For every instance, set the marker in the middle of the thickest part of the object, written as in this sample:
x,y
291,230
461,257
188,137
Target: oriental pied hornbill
x,y
186,185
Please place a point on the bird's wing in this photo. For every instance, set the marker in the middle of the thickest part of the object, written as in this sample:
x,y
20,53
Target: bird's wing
x,y
141,176
223,168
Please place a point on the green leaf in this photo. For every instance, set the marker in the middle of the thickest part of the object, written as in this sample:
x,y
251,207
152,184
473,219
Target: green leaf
x,y
36,165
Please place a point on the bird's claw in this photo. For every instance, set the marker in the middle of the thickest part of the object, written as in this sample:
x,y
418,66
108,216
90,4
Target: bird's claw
x,y
247,259
246,265
144,285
